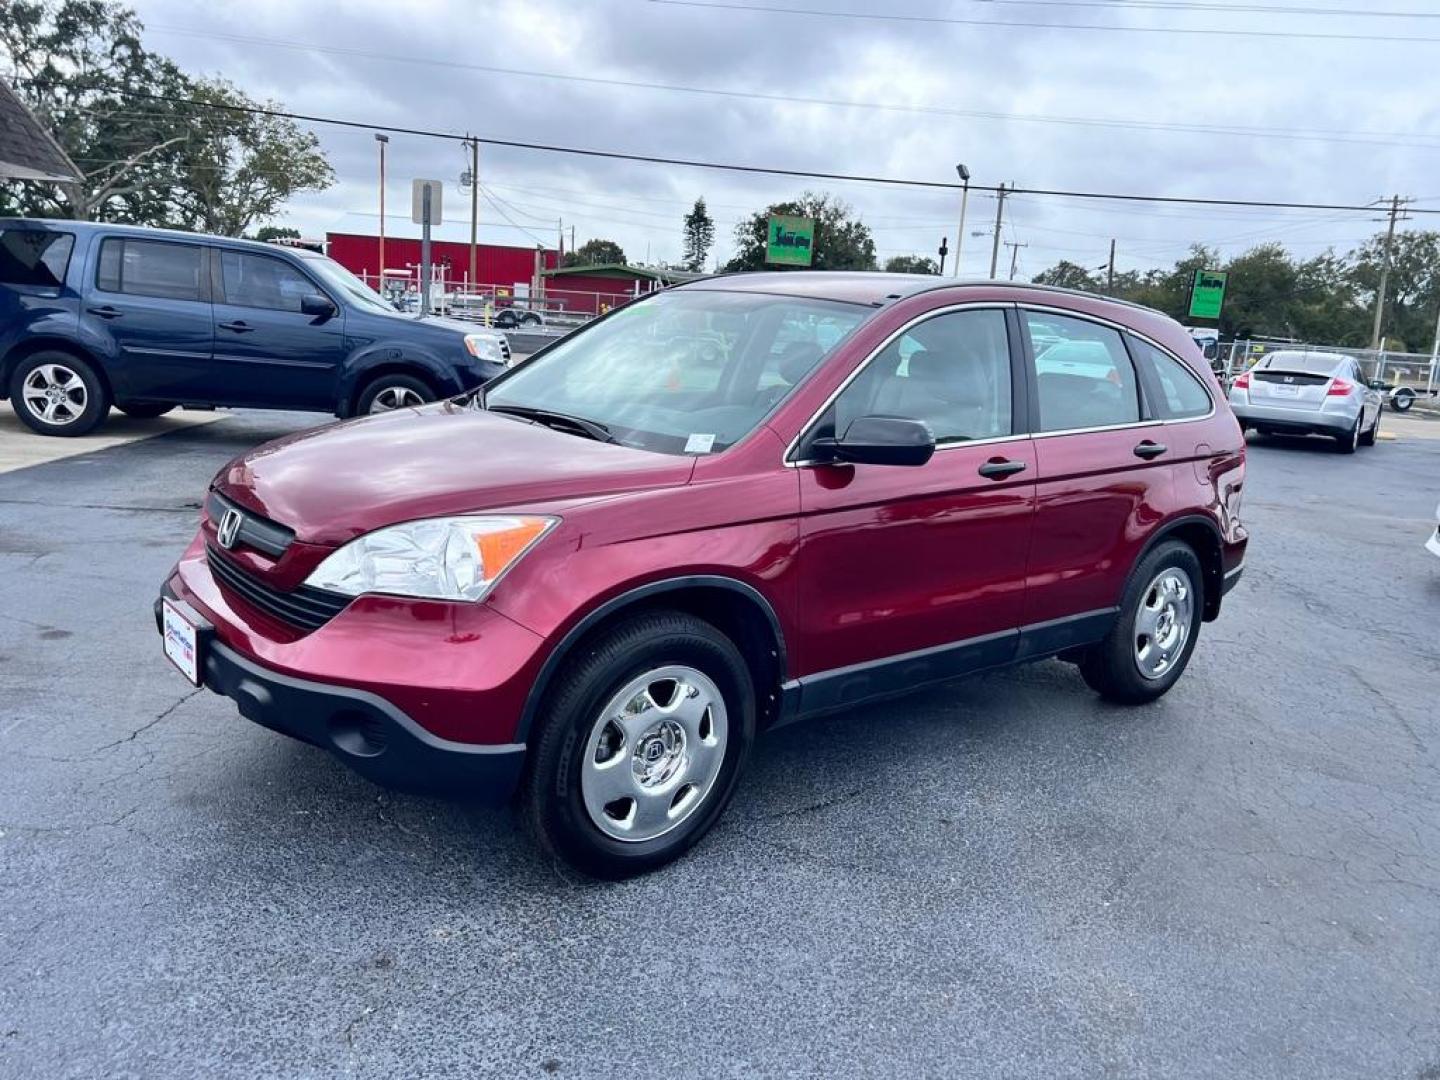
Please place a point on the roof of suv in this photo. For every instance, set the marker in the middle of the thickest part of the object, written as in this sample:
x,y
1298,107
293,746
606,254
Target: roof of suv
x,y
70,225
869,287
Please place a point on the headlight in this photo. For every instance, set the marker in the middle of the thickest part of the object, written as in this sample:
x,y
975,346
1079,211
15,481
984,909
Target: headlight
x,y
483,347
442,558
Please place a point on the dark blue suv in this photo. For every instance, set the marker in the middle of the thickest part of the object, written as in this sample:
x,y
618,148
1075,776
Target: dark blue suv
x,y
147,319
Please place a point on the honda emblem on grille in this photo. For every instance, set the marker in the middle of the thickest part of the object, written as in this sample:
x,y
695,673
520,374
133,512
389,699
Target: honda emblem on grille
x,y
230,523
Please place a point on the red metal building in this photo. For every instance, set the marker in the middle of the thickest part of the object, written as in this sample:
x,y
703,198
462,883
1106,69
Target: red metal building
x,y
496,264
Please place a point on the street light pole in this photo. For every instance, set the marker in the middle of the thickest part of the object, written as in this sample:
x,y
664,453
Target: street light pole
x,y
383,140
964,198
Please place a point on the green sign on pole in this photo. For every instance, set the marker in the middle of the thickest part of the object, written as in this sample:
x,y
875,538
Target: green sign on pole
x,y
791,241
1207,294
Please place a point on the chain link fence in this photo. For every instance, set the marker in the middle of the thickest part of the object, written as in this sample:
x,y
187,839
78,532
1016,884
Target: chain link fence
x,y
1412,375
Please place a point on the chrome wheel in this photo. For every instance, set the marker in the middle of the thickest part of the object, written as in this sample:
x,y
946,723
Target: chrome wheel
x,y
55,394
1162,625
395,397
653,753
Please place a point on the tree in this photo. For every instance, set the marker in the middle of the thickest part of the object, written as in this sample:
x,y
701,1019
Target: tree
x,y
1412,293
911,264
699,237
596,253
841,241
272,232
123,114
1069,275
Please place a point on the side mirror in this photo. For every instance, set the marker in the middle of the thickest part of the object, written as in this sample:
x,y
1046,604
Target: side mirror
x,y
316,305
879,440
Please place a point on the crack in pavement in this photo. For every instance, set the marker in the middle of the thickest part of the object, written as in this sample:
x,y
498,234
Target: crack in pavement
x,y
149,724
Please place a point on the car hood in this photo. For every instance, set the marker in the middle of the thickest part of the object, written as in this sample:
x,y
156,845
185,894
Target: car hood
x,y
459,326
338,482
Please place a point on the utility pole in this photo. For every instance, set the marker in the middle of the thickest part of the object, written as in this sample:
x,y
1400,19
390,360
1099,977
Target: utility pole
x,y
474,208
1385,273
1014,255
964,174
383,140
1110,273
999,220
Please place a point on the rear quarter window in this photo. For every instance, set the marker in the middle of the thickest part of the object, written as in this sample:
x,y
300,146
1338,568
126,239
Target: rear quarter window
x,y
35,258
1180,397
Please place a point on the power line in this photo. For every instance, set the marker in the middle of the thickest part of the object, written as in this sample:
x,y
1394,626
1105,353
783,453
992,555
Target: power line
x,y
1228,9
1364,138
950,20
651,159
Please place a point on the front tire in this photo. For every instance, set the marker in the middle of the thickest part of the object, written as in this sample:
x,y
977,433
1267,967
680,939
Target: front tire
x,y
55,393
1154,636
641,744
390,392
1402,401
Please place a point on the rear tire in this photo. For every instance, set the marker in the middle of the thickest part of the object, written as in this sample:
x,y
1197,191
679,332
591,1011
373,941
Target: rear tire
x,y
1155,633
1349,443
57,393
386,393
615,761
139,411
1402,401
1369,437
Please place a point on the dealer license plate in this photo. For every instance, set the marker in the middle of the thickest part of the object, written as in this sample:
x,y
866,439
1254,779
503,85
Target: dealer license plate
x,y
182,641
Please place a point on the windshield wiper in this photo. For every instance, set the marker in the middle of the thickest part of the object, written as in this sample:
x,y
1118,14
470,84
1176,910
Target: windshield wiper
x,y
591,429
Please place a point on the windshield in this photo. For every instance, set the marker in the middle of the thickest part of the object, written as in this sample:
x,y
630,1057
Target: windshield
x,y
355,290
684,372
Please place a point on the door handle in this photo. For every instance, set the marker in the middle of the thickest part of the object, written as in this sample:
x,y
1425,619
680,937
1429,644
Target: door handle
x,y
1148,449
999,468
236,327
106,312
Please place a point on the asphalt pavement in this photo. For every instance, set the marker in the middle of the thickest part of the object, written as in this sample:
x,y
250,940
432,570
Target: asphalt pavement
x,y
1003,877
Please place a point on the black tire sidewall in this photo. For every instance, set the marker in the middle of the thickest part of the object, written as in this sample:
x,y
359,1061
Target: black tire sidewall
x,y
97,402
381,382
1112,669
556,805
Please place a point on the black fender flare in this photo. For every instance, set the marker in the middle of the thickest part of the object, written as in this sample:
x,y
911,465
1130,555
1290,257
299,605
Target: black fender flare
x,y
1213,589
630,598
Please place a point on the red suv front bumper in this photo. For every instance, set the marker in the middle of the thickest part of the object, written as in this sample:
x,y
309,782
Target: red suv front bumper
x,y
413,694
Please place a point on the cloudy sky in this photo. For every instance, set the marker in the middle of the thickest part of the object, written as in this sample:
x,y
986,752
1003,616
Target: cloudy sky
x,y
1267,99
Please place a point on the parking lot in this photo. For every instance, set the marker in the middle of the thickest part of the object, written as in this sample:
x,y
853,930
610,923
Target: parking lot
x,y
1003,877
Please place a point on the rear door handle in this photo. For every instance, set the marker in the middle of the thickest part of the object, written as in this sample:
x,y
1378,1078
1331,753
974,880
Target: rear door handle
x,y
1148,449
236,327
999,468
106,312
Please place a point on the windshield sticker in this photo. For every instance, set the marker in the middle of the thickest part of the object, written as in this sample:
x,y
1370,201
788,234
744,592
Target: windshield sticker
x,y
699,444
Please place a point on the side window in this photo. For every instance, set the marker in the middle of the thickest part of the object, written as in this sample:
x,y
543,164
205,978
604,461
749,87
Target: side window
x,y
34,257
258,281
952,372
1083,374
1181,395
151,268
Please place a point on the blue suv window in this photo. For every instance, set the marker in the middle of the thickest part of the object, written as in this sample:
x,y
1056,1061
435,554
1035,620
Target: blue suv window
x,y
152,268
259,281
34,258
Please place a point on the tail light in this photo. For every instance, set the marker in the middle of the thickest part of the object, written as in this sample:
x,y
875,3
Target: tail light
x,y
1242,382
1340,388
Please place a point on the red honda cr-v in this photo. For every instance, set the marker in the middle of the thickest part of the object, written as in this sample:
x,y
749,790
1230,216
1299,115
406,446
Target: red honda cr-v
x,y
717,510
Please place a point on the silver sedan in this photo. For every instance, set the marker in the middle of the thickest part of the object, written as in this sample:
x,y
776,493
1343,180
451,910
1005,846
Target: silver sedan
x,y
1309,393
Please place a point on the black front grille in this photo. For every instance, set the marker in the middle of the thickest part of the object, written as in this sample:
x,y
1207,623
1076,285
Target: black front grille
x,y
256,532
305,608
